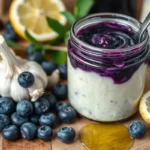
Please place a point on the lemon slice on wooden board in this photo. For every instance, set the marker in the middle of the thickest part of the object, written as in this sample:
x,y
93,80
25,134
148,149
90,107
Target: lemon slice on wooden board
x,y
144,107
31,15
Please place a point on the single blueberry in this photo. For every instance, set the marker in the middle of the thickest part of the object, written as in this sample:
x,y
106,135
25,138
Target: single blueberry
x,y
60,91
49,67
63,71
41,106
26,79
24,108
1,24
28,130
8,27
48,119
7,106
18,120
51,99
4,121
10,133
29,49
66,134
45,133
136,129
11,35
34,118
67,114
35,56
61,105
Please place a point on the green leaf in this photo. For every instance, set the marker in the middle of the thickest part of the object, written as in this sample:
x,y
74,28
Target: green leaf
x,y
59,57
31,39
57,27
67,37
58,40
70,18
82,8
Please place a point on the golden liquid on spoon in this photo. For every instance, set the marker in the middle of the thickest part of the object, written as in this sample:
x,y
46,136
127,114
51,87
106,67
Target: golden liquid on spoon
x,y
96,136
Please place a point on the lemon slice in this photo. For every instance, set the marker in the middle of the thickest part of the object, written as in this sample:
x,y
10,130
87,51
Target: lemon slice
x,y
31,15
144,107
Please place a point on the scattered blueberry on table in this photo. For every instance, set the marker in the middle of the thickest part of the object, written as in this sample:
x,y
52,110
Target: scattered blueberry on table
x,y
10,133
45,133
41,106
7,106
28,130
67,114
51,99
18,120
4,121
48,67
48,119
61,105
137,129
66,134
63,71
60,91
26,79
24,108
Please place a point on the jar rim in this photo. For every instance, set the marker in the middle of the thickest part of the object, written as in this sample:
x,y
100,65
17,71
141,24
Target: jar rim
x,y
97,49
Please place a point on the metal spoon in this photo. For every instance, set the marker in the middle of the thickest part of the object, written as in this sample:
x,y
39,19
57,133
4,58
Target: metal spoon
x,y
143,27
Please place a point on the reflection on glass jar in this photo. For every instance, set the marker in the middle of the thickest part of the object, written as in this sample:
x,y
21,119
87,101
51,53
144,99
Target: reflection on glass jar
x,y
106,66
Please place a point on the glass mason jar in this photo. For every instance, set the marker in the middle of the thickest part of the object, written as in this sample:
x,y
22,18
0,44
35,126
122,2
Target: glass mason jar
x,y
106,84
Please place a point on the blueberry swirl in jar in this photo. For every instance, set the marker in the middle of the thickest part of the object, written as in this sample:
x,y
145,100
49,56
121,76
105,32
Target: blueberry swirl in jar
x,y
106,66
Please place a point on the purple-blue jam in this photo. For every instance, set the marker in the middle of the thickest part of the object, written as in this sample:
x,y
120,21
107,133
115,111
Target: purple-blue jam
x,y
107,35
115,64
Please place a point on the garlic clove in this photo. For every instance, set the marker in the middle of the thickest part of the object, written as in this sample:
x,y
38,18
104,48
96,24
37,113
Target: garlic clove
x,y
36,94
17,92
53,79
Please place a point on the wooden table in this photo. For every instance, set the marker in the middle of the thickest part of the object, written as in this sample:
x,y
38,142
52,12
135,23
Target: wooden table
x,y
55,144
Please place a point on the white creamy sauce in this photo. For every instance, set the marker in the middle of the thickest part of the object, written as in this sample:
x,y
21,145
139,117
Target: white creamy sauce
x,y
98,98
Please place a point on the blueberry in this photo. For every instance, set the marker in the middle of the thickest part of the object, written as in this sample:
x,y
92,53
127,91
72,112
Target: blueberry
x,y
7,106
24,108
45,133
4,121
49,67
41,106
136,129
26,79
63,71
66,134
8,27
48,119
18,120
51,99
1,25
28,131
10,133
35,56
67,114
34,118
60,91
10,35
29,49
61,105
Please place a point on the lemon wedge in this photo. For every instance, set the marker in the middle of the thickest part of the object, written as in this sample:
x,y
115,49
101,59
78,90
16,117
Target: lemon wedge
x,y
144,107
31,15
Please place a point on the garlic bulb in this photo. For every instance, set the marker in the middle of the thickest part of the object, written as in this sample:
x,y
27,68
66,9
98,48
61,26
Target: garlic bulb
x,y
53,79
10,68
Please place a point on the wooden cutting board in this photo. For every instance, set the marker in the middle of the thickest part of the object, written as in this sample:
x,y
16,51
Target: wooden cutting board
x,y
55,144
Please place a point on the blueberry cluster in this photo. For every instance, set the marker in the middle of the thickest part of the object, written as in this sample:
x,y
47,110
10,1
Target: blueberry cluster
x,y
35,54
38,119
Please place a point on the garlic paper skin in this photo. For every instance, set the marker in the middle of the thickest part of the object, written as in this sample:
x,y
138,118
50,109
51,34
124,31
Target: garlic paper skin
x,y
10,68
53,79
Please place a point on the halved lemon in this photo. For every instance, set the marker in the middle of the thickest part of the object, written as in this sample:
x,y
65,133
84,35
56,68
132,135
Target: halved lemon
x,y
31,15
144,107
